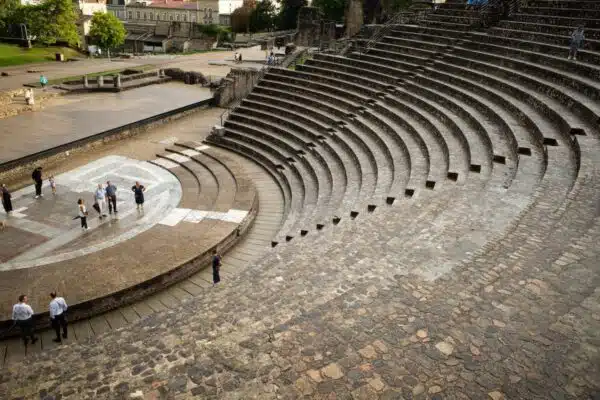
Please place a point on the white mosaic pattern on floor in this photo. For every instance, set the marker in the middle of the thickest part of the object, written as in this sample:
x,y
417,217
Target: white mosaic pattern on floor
x,y
52,215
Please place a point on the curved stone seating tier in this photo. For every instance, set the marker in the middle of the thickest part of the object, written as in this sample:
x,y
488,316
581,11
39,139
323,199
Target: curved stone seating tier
x,y
382,169
301,202
286,180
204,193
153,256
592,25
364,120
434,150
560,30
539,49
319,180
542,38
577,102
284,123
562,12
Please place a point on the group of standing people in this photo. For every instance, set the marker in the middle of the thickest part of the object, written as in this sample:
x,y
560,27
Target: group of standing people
x,y
22,316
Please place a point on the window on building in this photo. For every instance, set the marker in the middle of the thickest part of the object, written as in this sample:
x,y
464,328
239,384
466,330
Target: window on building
x,y
145,16
210,13
138,14
177,17
193,18
171,17
129,15
151,16
184,17
204,10
164,16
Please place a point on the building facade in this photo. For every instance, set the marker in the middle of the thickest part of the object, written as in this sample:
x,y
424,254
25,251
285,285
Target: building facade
x,y
200,12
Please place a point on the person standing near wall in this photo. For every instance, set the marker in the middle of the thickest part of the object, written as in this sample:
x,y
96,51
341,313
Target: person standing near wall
x,y
37,179
23,316
58,316
6,199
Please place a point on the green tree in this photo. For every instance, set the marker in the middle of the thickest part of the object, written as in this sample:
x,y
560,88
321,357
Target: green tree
x,y
107,31
333,10
7,10
288,13
240,20
263,16
49,22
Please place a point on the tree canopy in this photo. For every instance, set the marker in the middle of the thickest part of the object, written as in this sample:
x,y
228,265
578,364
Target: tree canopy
x,y
262,17
47,22
107,31
288,13
333,10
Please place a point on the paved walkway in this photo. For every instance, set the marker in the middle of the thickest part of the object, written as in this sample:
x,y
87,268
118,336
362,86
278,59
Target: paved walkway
x,y
88,115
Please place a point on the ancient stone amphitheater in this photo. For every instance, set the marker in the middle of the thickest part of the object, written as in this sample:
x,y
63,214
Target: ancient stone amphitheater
x,y
437,240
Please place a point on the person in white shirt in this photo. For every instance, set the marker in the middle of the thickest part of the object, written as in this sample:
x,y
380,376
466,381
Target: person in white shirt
x,y
58,316
22,315
99,201
82,214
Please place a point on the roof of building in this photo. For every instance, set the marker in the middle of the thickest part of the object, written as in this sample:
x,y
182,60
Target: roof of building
x,y
179,4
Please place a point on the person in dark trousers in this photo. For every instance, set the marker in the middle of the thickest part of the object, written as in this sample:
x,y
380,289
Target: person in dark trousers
x,y
23,316
111,197
6,201
138,193
82,214
577,39
216,266
37,179
58,316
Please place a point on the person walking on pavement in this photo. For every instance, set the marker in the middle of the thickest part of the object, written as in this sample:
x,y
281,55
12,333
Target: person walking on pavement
x,y
138,192
111,197
37,179
82,214
6,201
23,316
99,199
43,82
216,267
58,316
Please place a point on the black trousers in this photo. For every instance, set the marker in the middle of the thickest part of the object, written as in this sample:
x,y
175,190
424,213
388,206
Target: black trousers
x,y
38,188
60,321
83,222
112,203
26,326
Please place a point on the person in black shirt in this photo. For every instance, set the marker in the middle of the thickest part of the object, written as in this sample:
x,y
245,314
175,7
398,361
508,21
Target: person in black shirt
x,y
216,266
138,193
37,179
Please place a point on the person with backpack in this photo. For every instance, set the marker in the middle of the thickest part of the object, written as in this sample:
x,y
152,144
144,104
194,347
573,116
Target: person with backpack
x,y
577,39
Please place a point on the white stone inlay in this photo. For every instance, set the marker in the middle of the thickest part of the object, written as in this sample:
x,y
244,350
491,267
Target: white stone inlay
x,y
169,140
236,216
165,163
178,157
195,216
203,147
175,216
190,152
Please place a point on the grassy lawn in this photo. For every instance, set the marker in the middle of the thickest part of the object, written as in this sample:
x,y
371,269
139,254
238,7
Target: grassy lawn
x,y
14,55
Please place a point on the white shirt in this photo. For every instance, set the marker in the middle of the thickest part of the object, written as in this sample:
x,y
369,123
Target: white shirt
x,y
82,211
99,194
22,312
58,305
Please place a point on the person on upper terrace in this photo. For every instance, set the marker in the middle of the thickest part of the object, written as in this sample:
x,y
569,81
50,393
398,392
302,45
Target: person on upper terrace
x,y
577,39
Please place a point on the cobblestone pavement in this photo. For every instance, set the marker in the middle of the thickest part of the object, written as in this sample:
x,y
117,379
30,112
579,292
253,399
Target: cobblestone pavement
x,y
332,317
